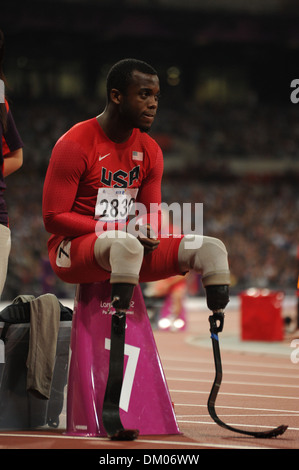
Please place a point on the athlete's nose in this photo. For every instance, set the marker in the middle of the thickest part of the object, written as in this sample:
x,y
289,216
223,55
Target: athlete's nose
x,y
153,102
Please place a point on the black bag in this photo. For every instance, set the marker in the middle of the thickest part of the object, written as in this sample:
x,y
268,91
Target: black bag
x,y
19,408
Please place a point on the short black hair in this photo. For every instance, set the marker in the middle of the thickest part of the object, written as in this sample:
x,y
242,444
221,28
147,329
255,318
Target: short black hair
x,y
120,74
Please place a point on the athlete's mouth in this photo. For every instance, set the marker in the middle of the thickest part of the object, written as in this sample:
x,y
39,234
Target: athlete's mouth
x,y
148,115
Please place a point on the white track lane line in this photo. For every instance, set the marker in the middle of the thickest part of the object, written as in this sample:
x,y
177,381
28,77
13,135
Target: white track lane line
x,y
230,372
194,360
231,382
98,441
254,395
296,412
226,415
239,425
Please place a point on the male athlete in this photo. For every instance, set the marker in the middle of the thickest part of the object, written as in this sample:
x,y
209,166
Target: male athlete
x,y
98,170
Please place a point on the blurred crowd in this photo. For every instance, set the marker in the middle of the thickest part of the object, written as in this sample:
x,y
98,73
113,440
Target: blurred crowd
x,y
258,224
255,218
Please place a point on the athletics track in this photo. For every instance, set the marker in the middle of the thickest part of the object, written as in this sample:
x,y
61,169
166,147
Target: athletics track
x,y
259,391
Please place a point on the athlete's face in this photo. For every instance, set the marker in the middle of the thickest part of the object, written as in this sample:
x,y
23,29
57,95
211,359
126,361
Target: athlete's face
x,y
140,102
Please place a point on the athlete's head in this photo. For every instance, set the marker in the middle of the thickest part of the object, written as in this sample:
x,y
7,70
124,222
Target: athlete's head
x,y
120,74
133,85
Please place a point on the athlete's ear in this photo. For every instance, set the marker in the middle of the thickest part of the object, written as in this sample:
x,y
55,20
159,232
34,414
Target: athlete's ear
x,y
115,96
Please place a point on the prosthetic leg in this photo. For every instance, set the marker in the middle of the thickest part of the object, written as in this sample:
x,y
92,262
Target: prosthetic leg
x,y
122,254
120,300
211,258
216,302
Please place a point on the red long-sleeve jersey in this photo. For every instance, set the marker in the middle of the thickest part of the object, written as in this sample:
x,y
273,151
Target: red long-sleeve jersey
x,y
92,179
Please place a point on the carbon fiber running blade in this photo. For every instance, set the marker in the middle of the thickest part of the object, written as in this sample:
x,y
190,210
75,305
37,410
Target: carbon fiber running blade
x,y
214,329
110,412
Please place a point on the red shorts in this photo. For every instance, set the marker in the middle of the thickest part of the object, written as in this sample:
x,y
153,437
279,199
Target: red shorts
x,y
74,261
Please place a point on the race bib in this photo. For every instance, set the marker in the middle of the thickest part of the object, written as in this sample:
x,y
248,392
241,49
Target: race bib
x,y
115,204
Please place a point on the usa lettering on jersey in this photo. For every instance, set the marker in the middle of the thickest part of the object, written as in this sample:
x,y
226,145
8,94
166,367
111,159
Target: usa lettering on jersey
x,y
120,178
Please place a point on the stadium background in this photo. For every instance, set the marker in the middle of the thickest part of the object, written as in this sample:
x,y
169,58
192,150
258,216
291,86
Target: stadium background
x,y
226,123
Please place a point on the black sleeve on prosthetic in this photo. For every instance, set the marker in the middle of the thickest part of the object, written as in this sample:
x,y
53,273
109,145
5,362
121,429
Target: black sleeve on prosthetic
x,y
217,297
123,293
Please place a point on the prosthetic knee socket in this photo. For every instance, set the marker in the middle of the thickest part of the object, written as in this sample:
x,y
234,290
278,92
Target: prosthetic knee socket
x,y
205,255
217,297
121,254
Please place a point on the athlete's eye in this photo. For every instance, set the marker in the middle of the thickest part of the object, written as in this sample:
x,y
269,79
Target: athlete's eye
x,y
147,94
144,94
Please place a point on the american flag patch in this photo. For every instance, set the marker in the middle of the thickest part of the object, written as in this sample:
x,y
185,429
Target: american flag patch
x,y
137,156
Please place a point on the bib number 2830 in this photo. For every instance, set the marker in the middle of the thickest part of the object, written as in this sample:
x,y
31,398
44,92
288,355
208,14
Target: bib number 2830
x,y
115,204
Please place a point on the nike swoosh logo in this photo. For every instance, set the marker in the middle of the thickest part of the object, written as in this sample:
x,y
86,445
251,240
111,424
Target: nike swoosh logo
x,y
104,156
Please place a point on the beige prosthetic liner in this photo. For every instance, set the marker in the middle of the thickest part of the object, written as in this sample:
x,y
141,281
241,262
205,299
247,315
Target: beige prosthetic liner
x,y
121,254
207,256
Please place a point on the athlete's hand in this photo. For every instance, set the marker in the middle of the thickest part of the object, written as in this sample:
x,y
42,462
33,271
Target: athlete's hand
x,y
147,238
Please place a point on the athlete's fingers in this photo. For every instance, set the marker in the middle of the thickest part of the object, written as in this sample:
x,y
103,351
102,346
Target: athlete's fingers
x,y
146,231
150,244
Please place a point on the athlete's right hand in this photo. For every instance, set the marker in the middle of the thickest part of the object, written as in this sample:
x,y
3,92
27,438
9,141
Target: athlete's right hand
x,y
147,239
144,233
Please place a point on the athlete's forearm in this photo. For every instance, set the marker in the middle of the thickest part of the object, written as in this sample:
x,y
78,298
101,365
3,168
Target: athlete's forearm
x,y
69,224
